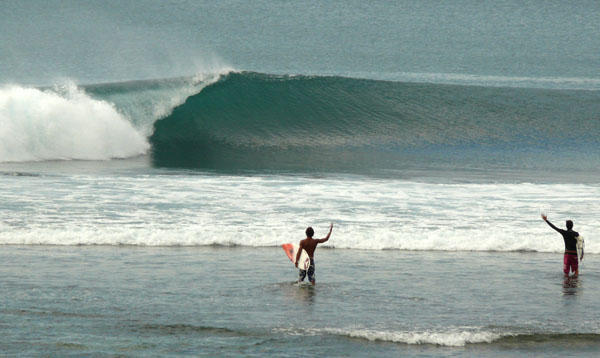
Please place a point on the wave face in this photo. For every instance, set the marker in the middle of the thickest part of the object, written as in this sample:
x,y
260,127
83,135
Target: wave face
x,y
298,123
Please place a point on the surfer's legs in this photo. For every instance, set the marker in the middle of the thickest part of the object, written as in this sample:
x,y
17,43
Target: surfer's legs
x,y
566,264
570,264
301,275
311,272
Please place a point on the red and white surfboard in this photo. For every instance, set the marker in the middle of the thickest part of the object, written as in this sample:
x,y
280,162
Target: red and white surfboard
x,y
291,251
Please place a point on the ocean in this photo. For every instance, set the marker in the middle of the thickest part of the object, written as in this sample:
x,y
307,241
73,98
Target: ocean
x,y
155,155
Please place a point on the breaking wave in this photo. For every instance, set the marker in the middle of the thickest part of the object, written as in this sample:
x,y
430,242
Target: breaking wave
x,y
253,121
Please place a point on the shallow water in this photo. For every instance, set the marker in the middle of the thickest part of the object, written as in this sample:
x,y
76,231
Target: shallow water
x,y
236,302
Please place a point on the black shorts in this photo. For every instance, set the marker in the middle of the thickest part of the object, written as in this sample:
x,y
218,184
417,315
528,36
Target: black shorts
x,y
310,271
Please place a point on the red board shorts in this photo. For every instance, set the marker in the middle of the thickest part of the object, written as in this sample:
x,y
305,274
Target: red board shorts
x,y
570,262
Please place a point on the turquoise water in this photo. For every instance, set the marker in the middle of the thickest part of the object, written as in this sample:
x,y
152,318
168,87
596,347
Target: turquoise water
x,y
301,124
155,155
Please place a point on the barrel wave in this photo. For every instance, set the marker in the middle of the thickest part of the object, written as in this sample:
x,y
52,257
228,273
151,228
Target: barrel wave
x,y
247,121
254,121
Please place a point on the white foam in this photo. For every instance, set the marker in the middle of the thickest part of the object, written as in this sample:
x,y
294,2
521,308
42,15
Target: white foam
x,y
258,211
451,337
63,123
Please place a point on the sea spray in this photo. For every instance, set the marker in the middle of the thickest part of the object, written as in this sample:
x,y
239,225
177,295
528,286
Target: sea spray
x,y
144,102
89,122
63,123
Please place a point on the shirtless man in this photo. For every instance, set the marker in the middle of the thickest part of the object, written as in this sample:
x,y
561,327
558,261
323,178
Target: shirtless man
x,y
570,237
309,245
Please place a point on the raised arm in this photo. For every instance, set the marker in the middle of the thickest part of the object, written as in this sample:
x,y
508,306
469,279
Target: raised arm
x,y
320,241
545,218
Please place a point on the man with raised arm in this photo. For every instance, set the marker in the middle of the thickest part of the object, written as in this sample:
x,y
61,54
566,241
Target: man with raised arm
x,y
570,262
310,245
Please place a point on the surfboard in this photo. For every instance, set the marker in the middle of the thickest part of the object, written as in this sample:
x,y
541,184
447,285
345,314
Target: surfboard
x,y
291,251
580,247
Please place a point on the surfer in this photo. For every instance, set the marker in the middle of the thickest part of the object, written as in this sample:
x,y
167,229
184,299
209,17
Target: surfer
x,y
570,262
310,245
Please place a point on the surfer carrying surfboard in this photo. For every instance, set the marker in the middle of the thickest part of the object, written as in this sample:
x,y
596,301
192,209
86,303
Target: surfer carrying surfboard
x,y
310,245
570,262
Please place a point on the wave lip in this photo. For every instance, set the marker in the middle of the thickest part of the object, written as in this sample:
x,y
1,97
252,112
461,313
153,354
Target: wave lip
x,y
145,101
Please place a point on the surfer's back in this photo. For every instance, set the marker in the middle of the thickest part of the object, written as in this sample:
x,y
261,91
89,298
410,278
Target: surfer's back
x,y
309,245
